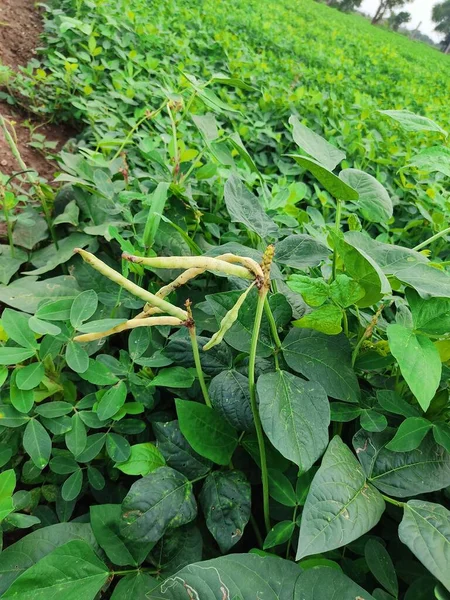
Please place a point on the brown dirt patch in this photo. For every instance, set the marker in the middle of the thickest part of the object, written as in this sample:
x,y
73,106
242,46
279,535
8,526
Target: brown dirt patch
x,y
20,27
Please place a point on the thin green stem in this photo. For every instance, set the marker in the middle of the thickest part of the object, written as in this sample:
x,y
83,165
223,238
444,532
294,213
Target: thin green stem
x,y
254,406
337,225
430,240
392,501
272,323
345,321
198,365
257,532
294,516
357,348
9,230
176,157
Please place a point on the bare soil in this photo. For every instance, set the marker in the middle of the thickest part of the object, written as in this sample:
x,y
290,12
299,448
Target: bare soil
x,y
20,27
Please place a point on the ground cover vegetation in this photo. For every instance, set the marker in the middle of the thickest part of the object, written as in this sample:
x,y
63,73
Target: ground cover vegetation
x,y
225,347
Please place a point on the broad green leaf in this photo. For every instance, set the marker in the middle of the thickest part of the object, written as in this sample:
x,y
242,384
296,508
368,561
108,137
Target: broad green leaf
x,y
118,447
94,445
105,522
364,270
374,201
341,506
25,553
30,376
144,458
410,434
10,417
55,310
135,586
372,420
315,145
157,202
326,319
177,452
155,503
425,529
112,401
83,307
72,569
95,478
37,443
345,291
395,404
380,563
16,326
324,583
418,360
177,548
245,208
430,316
76,437
72,486
230,397
245,576
325,359
402,474
14,356
314,291
301,251
63,465
42,327
279,534
295,416
54,409
100,325
281,489
409,121
76,357
342,412
441,434
7,485
434,159
98,374
206,431
226,502
176,377
22,400
26,293
335,186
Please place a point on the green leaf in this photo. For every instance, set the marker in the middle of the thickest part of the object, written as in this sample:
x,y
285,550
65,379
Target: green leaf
x,y
100,325
374,201
16,326
37,443
206,431
315,145
441,434
112,401
54,409
48,258
76,357
7,485
425,529
345,291
10,417
341,506
143,459
409,121
55,310
76,438
434,159
280,488
177,548
326,319
30,376
42,327
380,563
325,359
402,474
335,186
98,374
295,416
25,553
372,420
118,447
244,208
314,291
177,452
226,502
301,251
410,434
245,576
230,397
63,465
83,307
281,533
72,486
431,316
175,377
135,586
155,503
394,403
14,356
22,400
418,360
94,445
157,202
343,413
105,521
322,583
26,293
72,568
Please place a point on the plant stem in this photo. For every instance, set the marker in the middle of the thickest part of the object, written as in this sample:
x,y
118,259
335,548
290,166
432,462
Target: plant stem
x,y
294,516
345,321
146,117
392,501
434,237
337,225
272,323
254,405
131,287
198,365
131,324
176,156
257,532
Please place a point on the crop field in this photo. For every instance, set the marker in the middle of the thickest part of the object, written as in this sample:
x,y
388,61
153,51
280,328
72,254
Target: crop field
x,y
225,326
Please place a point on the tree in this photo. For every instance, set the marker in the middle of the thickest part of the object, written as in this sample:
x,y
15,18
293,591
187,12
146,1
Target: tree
x,y
345,5
441,16
397,19
386,5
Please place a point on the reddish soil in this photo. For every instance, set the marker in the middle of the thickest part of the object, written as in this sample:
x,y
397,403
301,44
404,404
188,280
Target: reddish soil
x,y
20,27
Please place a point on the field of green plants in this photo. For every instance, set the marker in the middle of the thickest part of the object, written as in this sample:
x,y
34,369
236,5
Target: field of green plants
x,y
225,335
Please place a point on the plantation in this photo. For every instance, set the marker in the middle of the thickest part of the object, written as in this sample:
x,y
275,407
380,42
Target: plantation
x,y
224,340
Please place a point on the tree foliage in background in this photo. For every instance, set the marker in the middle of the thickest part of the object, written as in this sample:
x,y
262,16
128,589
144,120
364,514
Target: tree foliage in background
x,y
441,16
398,19
384,7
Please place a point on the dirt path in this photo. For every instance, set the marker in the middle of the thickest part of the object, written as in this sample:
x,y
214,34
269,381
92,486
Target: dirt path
x,y
20,27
